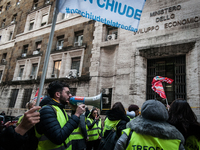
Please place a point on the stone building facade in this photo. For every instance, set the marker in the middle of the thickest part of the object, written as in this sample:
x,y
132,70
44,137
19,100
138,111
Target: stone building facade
x,y
166,44
119,63
24,32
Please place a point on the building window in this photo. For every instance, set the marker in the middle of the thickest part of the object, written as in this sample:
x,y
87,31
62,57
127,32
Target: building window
x,y
65,15
1,9
1,73
10,36
25,49
38,45
76,64
21,70
112,33
26,97
173,68
106,98
44,19
3,23
35,4
78,38
56,68
0,37
31,24
8,6
60,41
4,57
34,69
47,1
13,97
18,2
14,18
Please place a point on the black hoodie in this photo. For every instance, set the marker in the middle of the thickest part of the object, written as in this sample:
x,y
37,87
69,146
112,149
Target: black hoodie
x,y
114,115
50,127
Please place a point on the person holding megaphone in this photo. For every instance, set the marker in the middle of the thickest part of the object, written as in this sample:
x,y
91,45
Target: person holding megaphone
x,y
55,126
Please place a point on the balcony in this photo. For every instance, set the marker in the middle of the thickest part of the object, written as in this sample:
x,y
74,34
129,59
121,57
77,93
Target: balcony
x,y
35,53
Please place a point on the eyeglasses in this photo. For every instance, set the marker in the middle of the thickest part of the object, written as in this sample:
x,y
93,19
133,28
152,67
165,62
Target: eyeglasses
x,y
68,92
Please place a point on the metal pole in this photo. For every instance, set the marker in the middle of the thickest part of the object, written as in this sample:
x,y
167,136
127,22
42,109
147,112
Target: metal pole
x,y
46,60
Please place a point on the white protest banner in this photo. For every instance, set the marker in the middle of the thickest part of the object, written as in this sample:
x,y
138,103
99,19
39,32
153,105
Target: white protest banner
x,y
123,14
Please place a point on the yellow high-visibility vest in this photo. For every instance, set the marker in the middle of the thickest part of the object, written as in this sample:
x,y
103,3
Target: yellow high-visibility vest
x,y
148,142
94,133
109,125
192,143
45,143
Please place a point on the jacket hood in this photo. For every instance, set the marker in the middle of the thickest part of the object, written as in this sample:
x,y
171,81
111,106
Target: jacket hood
x,y
116,115
49,101
160,129
154,110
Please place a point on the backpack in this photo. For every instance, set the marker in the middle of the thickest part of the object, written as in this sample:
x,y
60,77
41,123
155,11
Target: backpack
x,y
109,142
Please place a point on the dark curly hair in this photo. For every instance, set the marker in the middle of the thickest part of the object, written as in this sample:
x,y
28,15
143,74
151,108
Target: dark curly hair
x,y
56,86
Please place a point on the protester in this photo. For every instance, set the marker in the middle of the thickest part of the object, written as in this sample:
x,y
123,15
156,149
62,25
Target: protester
x,y
87,112
79,135
151,130
3,113
29,105
55,125
115,117
184,119
94,130
134,108
14,138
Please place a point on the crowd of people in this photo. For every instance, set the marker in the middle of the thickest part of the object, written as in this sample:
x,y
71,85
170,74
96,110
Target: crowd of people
x,y
156,128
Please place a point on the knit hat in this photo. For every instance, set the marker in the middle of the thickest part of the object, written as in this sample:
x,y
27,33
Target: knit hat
x,y
133,108
154,110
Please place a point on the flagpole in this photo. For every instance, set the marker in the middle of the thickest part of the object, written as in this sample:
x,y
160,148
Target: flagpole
x,y
46,60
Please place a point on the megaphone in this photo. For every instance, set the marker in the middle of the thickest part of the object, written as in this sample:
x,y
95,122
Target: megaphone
x,y
95,101
130,114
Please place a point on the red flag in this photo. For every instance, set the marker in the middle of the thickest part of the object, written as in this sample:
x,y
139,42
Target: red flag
x,y
36,94
158,87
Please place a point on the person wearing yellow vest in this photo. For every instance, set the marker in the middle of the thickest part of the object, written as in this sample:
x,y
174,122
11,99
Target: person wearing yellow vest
x,y
55,125
115,117
79,135
94,130
150,131
185,120
15,138
134,108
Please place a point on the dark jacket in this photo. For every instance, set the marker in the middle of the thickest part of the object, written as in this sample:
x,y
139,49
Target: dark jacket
x,y
50,127
9,139
80,144
114,115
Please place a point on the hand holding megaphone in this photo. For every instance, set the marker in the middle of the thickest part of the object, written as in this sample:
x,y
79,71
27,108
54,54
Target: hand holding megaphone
x,y
95,101
80,110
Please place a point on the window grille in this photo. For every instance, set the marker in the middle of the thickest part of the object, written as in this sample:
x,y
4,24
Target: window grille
x,y
173,68
26,97
13,97
76,64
